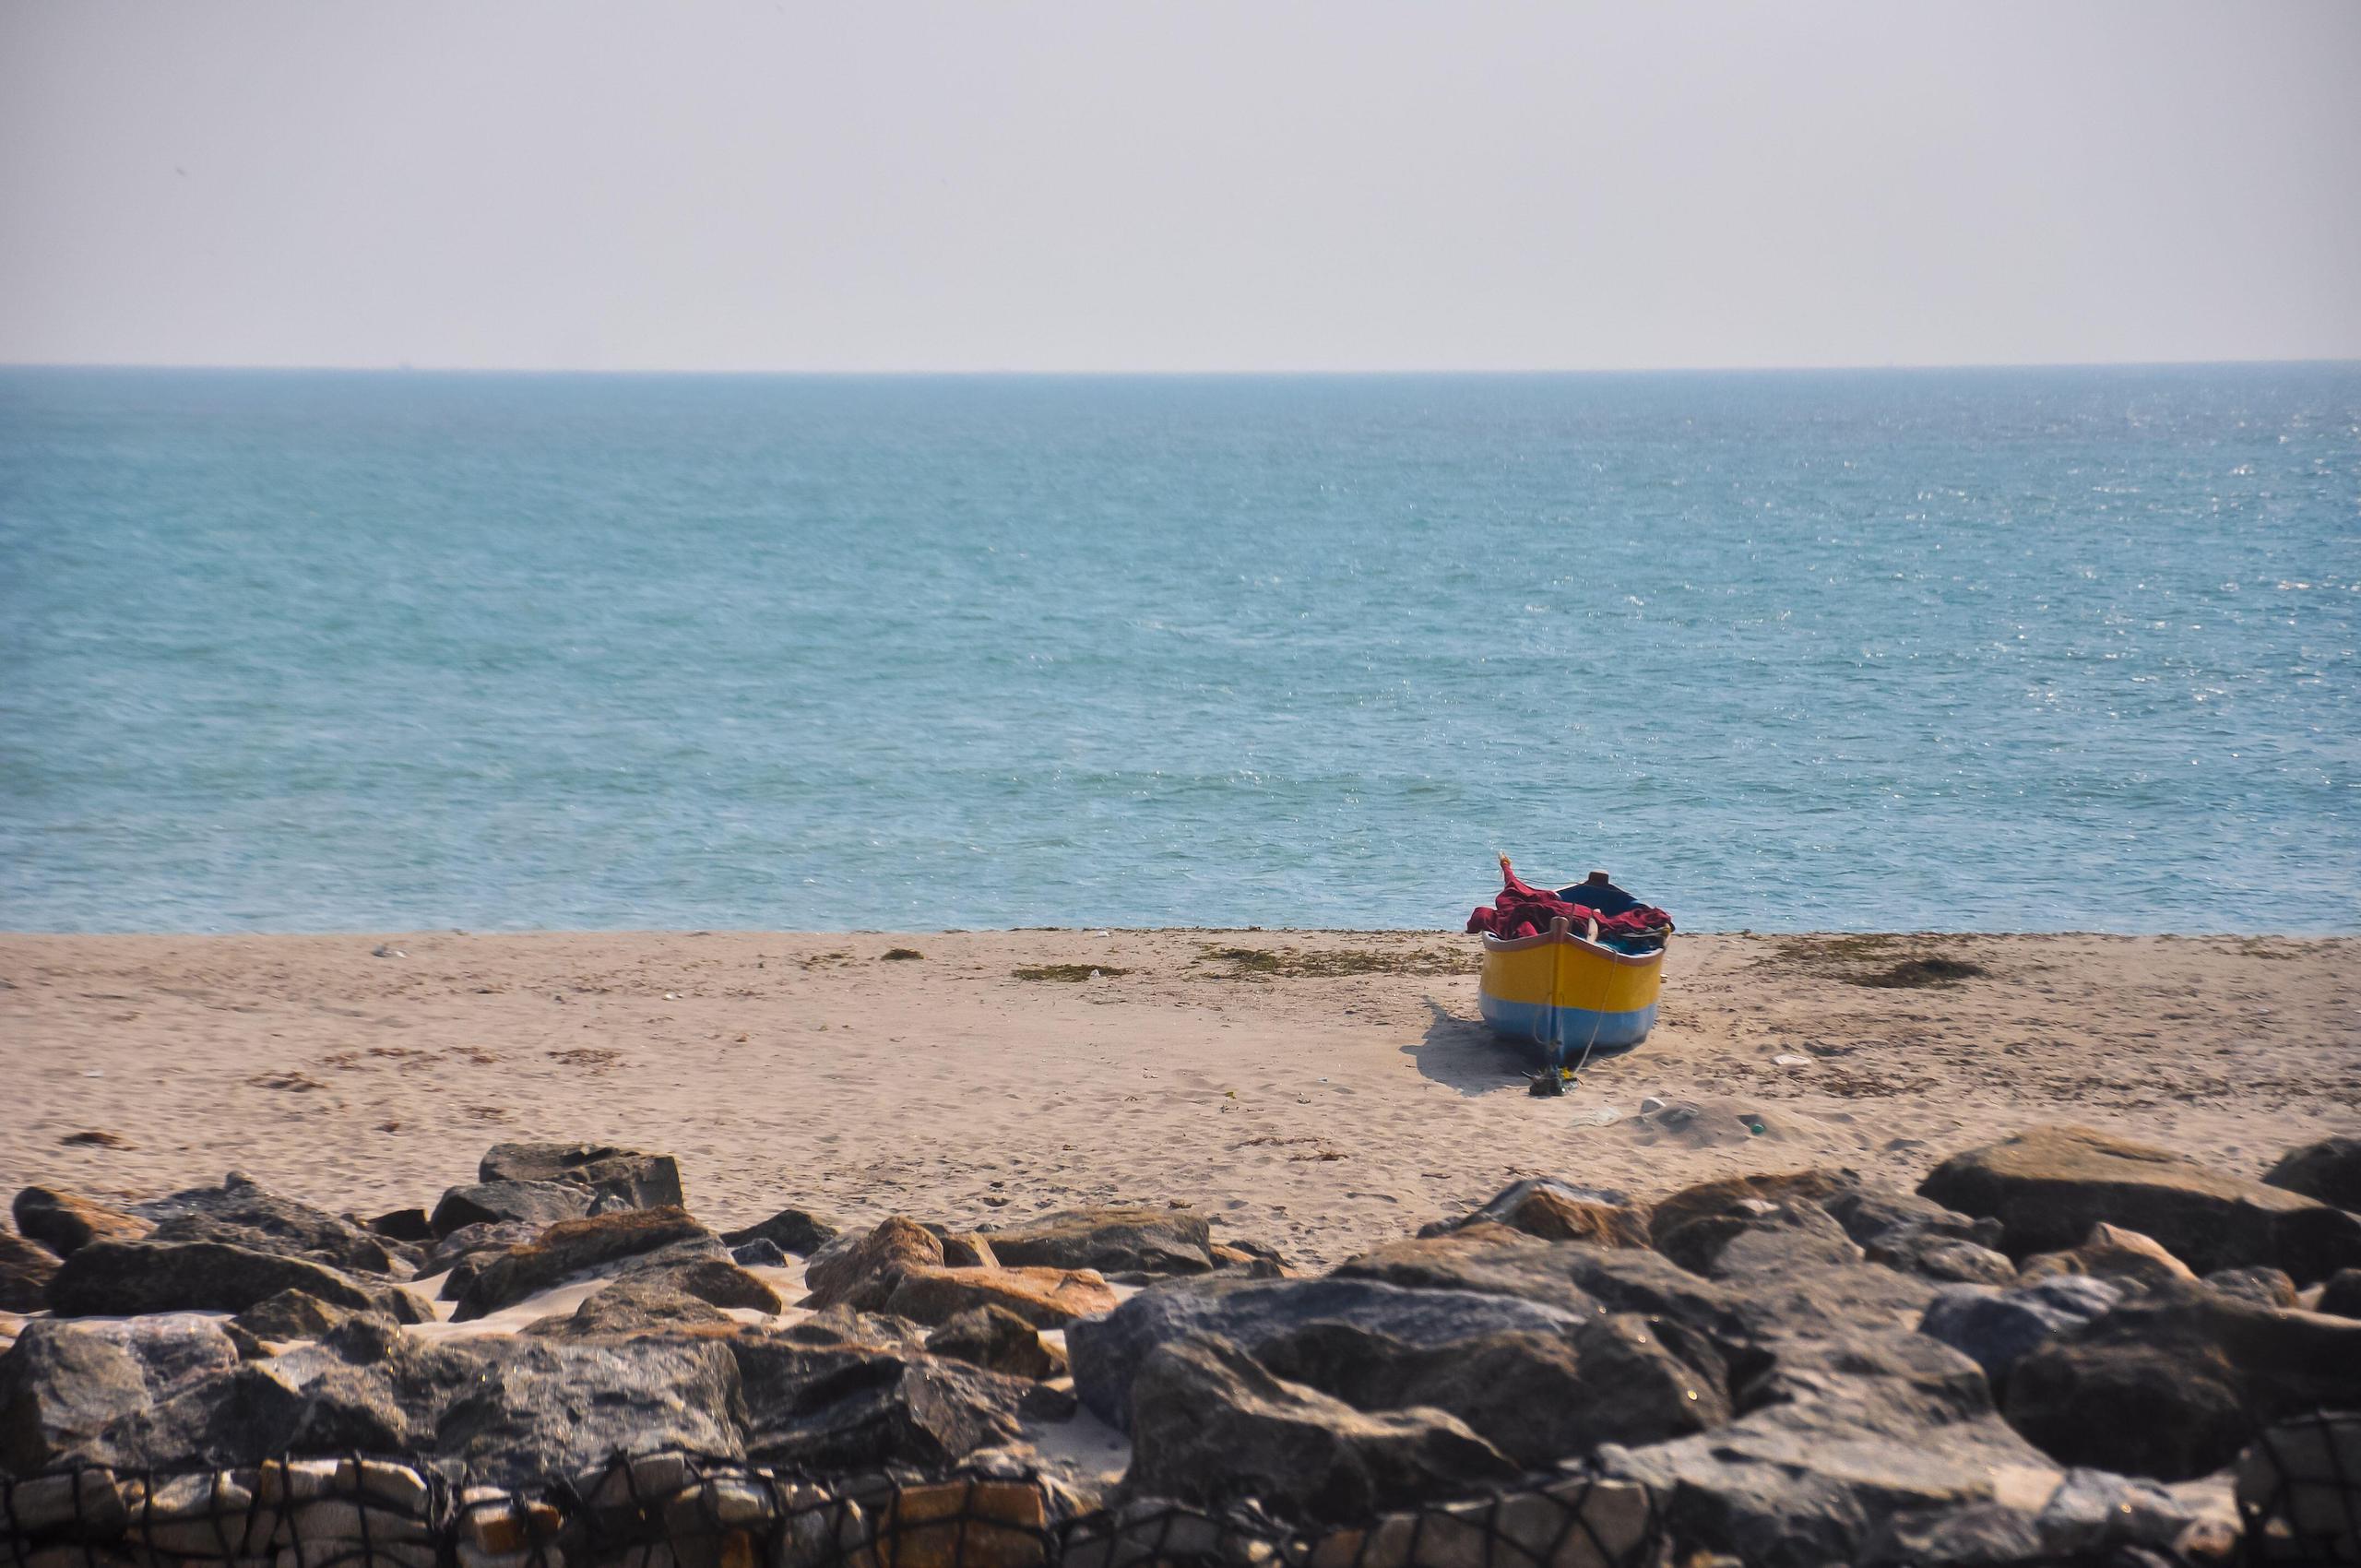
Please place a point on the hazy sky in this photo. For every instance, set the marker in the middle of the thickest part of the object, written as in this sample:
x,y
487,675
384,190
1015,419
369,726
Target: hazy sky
x,y
1323,183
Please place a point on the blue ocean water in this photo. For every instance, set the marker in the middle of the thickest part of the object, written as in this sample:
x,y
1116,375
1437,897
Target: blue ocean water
x,y
1961,650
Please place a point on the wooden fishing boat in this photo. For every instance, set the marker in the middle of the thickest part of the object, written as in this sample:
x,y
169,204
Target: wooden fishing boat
x,y
1572,996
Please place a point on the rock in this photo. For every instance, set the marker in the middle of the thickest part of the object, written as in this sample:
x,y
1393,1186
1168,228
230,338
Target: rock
x,y
997,1340
1999,1328
1947,1259
1046,1298
964,1249
1870,1211
2109,1251
2264,1287
241,1212
2047,1186
1833,1451
700,1267
26,1270
1252,1259
844,1410
1539,1397
841,1328
797,1230
63,1221
1559,1211
2341,1296
572,1247
1755,1235
1710,1200
1562,1276
61,1383
364,1385
2297,1482
1974,1535
548,1407
758,1254
1211,1427
863,1274
638,1179
1145,1241
536,1203
642,1306
1250,1315
291,1314
1573,1521
408,1225
2174,1384
470,1241
130,1278
2329,1171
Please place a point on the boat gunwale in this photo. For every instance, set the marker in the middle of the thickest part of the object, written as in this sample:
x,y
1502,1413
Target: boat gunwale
x,y
1560,934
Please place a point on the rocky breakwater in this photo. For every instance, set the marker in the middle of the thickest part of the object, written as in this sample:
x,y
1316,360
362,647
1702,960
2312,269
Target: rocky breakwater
x,y
2061,1348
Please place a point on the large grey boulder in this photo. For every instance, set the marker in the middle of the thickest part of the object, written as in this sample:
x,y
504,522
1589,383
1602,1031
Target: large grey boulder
x,y
63,1221
2050,1185
241,1213
1539,1397
1113,1240
556,1407
2329,1171
1998,1328
859,1404
62,1385
2173,1385
629,1176
1213,1428
1839,1441
131,1278
365,1385
1250,1315
1492,1260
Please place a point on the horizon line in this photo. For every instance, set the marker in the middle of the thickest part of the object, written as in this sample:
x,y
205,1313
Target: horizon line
x,y
1305,372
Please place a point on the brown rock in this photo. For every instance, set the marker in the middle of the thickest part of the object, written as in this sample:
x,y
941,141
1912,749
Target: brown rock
x,y
25,1273
2112,1253
1557,1211
997,1340
864,1274
1113,1240
1046,1298
63,1221
1710,1200
964,1249
570,1247
2048,1185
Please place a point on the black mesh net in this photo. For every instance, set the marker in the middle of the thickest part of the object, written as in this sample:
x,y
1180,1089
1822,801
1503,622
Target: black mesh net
x,y
677,1510
2299,1490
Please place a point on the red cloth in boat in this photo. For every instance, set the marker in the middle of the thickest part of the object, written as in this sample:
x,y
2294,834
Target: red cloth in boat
x,y
1521,910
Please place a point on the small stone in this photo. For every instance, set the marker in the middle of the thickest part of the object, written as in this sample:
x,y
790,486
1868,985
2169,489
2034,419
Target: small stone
x,y
760,1253
26,1270
863,1274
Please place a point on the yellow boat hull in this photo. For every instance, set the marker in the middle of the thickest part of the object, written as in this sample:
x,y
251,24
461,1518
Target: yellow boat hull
x,y
1571,997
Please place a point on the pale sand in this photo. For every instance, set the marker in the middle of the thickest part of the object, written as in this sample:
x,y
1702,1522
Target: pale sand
x,y
1320,1114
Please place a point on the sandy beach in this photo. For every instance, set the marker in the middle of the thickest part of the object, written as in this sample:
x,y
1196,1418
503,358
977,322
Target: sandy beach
x,y
1319,1091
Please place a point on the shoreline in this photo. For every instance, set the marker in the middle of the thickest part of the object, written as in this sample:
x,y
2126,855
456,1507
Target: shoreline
x,y
1319,1108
